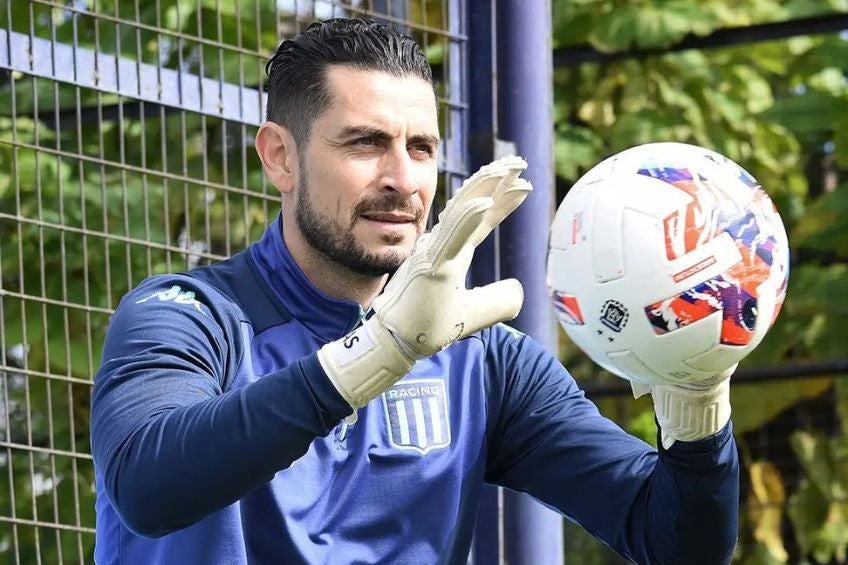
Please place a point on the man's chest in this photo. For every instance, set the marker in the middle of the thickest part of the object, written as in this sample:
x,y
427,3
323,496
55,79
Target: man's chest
x,y
415,445
438,406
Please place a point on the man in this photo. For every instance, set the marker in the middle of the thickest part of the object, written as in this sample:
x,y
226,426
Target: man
x,y
289,406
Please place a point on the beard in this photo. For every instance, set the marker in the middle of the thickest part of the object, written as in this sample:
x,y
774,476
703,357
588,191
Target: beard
x,y
339,243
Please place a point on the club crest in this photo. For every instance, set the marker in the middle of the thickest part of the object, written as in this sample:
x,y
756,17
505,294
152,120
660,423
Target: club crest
x,y
417,415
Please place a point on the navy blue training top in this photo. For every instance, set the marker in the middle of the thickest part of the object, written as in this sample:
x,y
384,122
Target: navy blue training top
x,y
218,438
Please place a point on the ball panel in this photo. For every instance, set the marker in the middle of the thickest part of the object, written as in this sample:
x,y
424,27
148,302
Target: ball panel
x,y
666,353
606,234
627,364
716,359
721,294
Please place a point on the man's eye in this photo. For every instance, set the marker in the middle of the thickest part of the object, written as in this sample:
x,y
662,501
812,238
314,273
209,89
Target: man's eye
x,y
425,148
365,141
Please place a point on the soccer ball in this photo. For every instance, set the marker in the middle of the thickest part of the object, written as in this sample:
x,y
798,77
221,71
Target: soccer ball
x,y
668,263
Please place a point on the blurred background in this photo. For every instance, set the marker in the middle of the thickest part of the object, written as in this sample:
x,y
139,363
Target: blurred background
x,y
126,149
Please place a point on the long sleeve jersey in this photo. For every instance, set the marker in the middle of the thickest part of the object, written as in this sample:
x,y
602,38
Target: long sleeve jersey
x,y
218,438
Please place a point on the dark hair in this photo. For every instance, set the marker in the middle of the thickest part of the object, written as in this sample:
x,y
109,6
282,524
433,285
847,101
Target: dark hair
x,y
297,85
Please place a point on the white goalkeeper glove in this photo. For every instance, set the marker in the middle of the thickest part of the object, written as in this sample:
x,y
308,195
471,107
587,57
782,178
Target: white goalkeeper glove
x,y
426,307
689,412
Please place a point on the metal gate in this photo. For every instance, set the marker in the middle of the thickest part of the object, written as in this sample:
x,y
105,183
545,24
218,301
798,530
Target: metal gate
x,y
126,150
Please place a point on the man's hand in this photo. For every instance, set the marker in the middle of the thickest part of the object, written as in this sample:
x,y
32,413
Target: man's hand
x,y
426,307
689,412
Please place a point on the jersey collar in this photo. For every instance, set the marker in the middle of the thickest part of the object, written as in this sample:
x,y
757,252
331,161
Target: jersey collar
x,y
327,317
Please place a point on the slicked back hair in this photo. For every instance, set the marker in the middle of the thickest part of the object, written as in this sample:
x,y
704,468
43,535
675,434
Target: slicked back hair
x,y
297,87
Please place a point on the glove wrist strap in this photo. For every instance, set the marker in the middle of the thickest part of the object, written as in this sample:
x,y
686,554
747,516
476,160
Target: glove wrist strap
x,y
364,363
691,414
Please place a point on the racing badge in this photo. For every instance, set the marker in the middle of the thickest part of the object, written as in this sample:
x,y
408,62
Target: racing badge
x,y
417,415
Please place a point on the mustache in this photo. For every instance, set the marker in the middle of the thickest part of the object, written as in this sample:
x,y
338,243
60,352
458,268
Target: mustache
x,y
388,203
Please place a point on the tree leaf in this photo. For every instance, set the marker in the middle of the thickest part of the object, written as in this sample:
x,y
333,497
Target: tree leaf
x,y
575,149
765,508
809,112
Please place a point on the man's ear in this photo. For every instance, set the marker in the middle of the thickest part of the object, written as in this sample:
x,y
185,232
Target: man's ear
x,y
278,152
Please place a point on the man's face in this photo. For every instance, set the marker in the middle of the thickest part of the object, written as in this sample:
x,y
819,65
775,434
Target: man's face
x,y
368,173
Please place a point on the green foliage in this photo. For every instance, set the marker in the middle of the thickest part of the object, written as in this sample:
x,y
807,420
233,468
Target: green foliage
x,y
77,232
819,507
765,513
824,226
644,427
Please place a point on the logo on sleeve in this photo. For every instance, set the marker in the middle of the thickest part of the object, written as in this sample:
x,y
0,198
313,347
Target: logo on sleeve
x,y
417,415
175,294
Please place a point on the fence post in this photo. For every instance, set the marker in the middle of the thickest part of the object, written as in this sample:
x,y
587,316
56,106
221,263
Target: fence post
x,y
488,546
525,117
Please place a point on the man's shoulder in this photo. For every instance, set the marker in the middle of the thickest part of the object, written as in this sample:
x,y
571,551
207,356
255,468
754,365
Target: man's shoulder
x,y
239,280
180,290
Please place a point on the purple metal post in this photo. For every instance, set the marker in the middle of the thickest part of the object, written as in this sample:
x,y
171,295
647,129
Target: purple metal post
x,y
480,77
525,117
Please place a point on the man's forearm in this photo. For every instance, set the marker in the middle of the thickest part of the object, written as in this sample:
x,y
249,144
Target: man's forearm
x,y
694,502
186,462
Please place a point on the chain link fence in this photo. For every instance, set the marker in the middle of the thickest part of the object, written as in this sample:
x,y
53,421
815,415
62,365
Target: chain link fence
x,y
126,136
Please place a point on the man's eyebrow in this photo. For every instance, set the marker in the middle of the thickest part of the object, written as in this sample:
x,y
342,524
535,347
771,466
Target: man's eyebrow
x,y
363,131
425,138
354,132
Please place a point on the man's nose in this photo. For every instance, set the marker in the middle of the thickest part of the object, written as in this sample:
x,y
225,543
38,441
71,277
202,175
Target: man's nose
x,y
398,172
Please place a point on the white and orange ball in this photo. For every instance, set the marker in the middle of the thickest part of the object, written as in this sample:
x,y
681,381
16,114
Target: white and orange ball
x,y
668,263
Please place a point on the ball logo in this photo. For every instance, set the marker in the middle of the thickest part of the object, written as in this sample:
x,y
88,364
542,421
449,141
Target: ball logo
x,y
614,315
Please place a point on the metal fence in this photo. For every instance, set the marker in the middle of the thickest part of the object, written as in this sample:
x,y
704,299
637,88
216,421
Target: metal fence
x,y
126,136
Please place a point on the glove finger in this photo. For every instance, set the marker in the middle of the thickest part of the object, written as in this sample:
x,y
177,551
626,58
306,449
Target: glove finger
x,y
511,196
488,177
507,200
485,182
497,302
639,389
454,232
490,181
466,226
